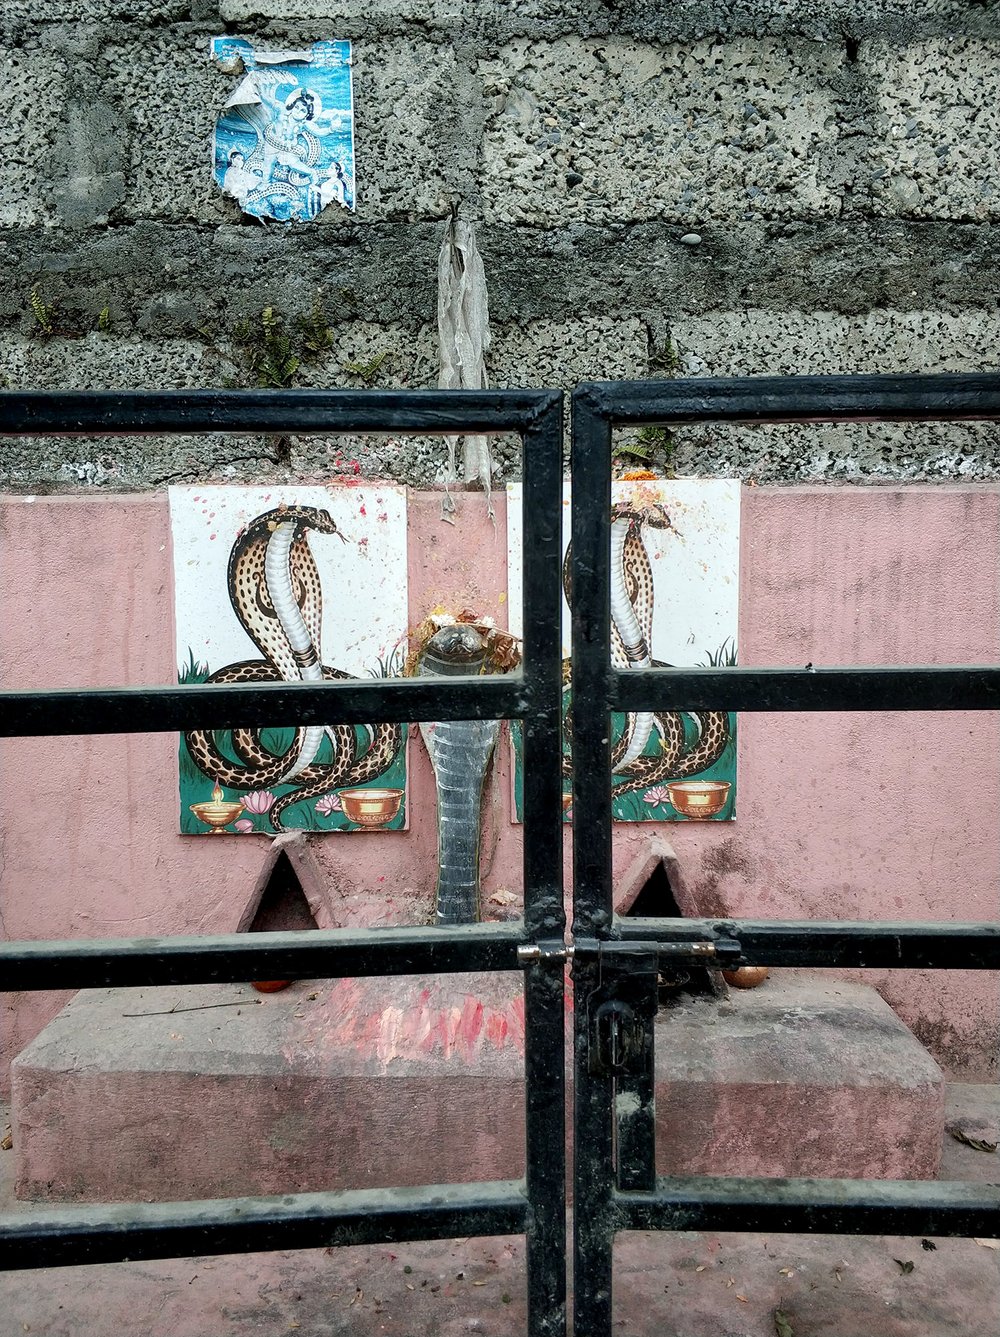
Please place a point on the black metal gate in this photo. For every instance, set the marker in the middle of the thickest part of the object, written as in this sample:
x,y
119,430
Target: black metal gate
x,y
535,1205
614,963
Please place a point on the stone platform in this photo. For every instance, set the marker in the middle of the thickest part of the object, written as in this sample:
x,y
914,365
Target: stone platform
x,y
807,1075
220,1091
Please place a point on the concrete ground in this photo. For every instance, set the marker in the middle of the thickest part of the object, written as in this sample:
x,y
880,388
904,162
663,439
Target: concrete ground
x,y
685,1285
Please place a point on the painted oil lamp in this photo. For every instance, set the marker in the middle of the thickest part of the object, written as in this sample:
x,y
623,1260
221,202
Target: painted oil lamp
x,y
217,812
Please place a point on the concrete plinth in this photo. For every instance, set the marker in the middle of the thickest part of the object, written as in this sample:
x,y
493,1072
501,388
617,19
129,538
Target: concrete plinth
x,y
360,1083
220,1091
807,1075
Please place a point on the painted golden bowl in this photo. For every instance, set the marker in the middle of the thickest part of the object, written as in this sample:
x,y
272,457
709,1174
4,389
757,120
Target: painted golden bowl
x,y
698,799
370,807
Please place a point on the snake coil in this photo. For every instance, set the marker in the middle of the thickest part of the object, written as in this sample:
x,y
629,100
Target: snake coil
x,y
275,590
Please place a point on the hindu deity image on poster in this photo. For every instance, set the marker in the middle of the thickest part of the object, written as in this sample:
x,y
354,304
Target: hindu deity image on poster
x,y
290,584
674,603
284,142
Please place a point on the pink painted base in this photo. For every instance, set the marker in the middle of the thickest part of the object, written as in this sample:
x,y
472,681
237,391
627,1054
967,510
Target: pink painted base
x,y
805,1075
369,1083
344,1084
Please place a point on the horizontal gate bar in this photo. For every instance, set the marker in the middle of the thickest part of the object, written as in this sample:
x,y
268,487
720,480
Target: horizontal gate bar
x,y
127,1232
815,1206
115,413
238,957
964,687
937,398
805,942
164,709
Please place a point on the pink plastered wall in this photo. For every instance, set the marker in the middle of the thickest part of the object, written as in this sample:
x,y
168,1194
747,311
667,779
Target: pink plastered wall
x,y
839,816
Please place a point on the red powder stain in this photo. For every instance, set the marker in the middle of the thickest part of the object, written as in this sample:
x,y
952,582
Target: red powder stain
x,y
212,536
362,543
422,1038
384,516
472,1022
434,1031
361,510
453,1024
496,1029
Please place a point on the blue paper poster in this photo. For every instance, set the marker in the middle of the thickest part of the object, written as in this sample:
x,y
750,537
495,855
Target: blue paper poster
x,y
284,142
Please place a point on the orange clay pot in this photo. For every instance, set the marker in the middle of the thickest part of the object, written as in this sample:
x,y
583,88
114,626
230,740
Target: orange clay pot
x,y
270,986
746,977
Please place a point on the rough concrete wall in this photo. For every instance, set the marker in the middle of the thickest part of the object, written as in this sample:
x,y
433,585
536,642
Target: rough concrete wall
x,y
838,160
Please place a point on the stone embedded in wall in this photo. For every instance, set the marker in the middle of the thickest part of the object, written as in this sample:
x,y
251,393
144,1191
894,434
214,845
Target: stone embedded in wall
x,y
760,341
33,87
939,155
610,130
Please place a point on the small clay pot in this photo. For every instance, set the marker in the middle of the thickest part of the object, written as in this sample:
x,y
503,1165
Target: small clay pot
x,y
270,986
746,977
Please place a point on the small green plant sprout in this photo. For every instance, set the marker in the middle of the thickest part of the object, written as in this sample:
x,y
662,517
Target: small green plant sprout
x,y
367,371
655,446
267,350
316,336
665,360
724,657
44,313
390,665
192,671
104,320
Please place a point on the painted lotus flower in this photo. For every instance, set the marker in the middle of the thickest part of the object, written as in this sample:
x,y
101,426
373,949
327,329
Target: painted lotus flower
x,y
658,794
243,826
259,801
327,804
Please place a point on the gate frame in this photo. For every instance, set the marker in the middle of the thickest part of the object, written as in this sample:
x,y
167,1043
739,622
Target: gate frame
x,y
534,1205
620,957
614,961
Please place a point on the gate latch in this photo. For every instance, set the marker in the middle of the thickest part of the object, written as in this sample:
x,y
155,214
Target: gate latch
x,y
621,1010
617,1040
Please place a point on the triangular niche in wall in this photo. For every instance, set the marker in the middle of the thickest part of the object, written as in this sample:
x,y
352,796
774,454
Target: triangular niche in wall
x,y
283,904
654,888
291,890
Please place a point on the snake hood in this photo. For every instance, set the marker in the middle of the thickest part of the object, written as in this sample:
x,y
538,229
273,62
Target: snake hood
x,y
254,598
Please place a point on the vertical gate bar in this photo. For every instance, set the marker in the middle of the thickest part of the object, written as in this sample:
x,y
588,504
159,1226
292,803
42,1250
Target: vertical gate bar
x,y
592,900
544,911
635,1140
635,1092
591,620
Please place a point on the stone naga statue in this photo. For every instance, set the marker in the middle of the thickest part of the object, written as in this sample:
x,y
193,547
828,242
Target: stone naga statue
x,y
460,752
